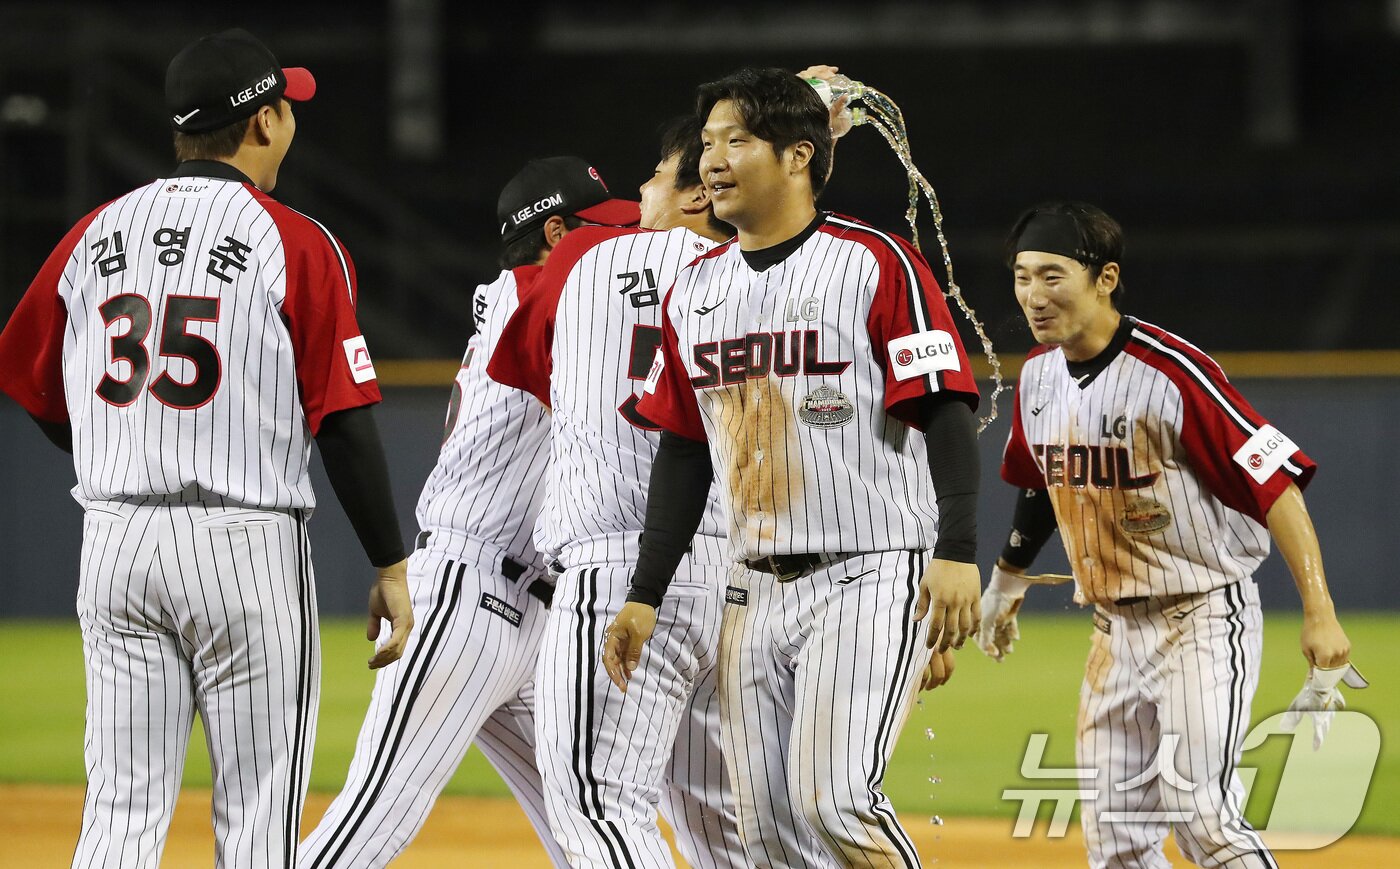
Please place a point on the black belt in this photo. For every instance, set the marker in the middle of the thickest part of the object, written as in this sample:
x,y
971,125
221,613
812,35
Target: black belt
x,y
1130,601
510,569
786,568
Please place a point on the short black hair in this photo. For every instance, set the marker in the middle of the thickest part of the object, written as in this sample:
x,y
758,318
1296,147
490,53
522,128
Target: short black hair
x,y
779,108
1100,236
219,143
680,138
525,251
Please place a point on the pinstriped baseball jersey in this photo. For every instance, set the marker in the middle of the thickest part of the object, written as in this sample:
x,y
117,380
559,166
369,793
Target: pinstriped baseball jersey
x,y
195,332
802,377
1160,472
489,478
587,357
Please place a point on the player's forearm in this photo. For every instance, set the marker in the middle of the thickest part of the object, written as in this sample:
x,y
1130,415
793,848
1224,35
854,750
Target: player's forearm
x,y
354,459
1293,531
950,432
676,495
1032,523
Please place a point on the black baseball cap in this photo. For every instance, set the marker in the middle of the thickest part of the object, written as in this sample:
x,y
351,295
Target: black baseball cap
x,y
226,77
564,186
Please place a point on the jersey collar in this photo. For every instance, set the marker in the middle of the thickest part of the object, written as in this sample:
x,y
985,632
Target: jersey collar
x,y
764,259
1084,372
211,169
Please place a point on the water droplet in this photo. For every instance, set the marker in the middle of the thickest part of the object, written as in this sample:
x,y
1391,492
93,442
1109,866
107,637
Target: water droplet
x,y
935,780
928,733
936,821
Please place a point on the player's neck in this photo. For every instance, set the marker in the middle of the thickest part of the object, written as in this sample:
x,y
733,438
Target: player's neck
x,y
1092,341
783,224
251,162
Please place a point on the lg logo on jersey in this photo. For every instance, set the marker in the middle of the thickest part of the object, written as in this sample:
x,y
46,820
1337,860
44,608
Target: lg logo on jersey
x,y
1265,453
924,353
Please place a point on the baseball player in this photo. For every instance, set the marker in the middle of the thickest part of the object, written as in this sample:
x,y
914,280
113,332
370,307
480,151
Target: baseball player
x,y
582,343
186,342
1165,485
478,583
812,368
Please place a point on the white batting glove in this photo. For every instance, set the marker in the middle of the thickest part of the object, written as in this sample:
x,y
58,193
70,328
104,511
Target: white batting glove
x,y
997,634
1321,699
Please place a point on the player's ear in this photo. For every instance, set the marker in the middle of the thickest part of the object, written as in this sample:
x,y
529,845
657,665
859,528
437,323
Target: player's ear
x,y
260,126
697,199
799,156
1108,279
554,230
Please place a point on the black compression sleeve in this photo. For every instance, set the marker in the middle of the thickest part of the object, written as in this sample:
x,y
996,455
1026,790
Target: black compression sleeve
x,y
950,431
60,434
354,460
676,494
1031,525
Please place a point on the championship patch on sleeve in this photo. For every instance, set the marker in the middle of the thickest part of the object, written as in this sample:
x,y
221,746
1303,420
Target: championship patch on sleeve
x,y
924,353
357,354
658,364
1265,453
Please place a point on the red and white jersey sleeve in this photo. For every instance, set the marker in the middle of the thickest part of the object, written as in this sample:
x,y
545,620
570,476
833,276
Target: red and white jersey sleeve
x,y
912,332
488,483
207,331
583,341
800,377
1159,472
1018,465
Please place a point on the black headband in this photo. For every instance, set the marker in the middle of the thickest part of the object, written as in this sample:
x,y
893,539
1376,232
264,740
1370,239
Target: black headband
x,y
1055,233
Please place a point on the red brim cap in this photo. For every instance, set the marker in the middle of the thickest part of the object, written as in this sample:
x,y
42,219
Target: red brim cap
x,y
613,212
301,85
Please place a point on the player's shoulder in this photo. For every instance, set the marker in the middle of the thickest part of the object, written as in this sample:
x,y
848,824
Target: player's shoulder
x,y
853,229
1185,364
297,229
577,243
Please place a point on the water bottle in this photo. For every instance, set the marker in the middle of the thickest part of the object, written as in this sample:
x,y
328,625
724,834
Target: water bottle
x,y
832,89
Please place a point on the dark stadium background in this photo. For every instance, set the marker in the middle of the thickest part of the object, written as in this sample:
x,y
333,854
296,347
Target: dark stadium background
x,y
1249,149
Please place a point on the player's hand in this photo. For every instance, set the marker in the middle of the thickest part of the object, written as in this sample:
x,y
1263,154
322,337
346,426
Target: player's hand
x,y
389,599
998,632
938,672
1321,699
1324,643
951,591
623,641
838,118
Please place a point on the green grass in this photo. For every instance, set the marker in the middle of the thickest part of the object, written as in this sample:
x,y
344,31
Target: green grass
x,y
981,720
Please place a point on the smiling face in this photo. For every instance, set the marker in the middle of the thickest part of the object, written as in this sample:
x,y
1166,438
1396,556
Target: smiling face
x,y
748,181
1065,304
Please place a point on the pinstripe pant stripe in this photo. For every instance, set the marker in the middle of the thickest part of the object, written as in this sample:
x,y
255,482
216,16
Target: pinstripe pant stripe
x,y
435,627
296,794
1231,811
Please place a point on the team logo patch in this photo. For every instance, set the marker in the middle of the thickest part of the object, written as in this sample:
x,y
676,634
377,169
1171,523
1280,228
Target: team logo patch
x,y
357,354
1265,453
1144,516
924,353
501,608
824,407
736,596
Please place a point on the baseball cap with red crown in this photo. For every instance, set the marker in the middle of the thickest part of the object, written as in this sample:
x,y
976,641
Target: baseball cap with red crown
x,y
225,77
563,186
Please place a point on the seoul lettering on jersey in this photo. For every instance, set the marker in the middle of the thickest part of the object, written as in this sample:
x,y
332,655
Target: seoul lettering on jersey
x,y
755,356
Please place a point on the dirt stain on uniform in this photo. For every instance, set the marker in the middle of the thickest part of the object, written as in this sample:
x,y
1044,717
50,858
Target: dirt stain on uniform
x,y
764,465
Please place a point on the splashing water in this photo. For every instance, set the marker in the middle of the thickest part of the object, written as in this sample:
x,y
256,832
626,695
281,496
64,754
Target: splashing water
x,y
870,107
